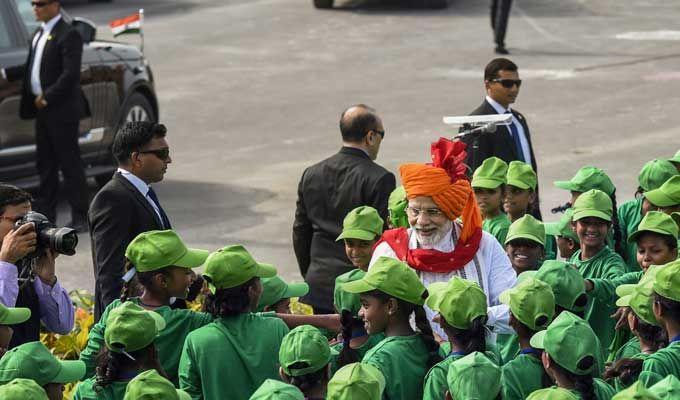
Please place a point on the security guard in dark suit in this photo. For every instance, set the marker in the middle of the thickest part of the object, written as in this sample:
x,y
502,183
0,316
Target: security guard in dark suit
x,y
500,13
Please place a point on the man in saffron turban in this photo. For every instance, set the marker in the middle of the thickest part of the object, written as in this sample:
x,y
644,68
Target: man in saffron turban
x,y
445,237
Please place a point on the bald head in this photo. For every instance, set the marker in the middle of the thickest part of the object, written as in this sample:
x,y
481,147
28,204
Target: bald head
x,y
356,121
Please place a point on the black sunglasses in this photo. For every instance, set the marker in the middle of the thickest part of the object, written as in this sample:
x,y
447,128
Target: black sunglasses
x,y
40,4
508,83
162,154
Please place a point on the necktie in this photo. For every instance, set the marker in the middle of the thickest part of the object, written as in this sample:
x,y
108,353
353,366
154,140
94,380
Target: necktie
x,y
164,216
515,138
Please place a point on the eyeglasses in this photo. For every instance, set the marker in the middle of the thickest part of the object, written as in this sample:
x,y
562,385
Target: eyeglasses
x,y
163,154
508,83
40,4
429,212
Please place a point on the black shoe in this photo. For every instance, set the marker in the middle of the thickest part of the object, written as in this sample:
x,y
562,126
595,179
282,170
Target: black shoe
x,y
501,50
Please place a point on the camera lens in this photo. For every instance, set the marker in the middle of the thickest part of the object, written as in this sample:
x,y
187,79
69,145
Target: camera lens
x,y
62,240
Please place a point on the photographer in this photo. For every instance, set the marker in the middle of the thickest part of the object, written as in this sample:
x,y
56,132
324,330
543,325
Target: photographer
x,y
40,291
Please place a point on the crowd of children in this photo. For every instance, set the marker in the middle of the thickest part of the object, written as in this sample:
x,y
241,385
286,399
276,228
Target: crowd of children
x,y
595,312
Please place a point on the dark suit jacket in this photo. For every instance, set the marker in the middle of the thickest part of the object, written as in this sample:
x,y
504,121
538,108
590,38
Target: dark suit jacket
x,y
326,193
118,213
59,76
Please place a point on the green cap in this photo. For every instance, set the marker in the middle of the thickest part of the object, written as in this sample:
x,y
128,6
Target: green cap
x,y
153,250
521,175
639,297
396,206
588,178
13,315
474,377
393,277
526,227
658,222
344,300
34,361
636,391
304,344
532,302
232,266
491,174
552,393
22,389
150,385
363,223
274,289
668,388
459,301
129,327
667,194
667,281
356,381
676,158
593,203
568,340
655,173
276,390
566,283
562,227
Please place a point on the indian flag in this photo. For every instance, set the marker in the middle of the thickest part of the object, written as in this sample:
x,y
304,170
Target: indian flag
x,y
129,24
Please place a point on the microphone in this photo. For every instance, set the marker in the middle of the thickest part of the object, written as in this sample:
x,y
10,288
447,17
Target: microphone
x,y
486,128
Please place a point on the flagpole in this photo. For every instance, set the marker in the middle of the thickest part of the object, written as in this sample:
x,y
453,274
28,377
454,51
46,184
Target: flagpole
x,y
141,28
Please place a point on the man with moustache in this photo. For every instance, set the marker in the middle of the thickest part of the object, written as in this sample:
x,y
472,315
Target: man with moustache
x,y
440,247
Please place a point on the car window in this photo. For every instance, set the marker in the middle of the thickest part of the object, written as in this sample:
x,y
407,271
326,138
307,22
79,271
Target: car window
x,y
26,11
5,41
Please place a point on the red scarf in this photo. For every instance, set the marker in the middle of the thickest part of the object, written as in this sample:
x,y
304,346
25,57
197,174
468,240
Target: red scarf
x,y
432,260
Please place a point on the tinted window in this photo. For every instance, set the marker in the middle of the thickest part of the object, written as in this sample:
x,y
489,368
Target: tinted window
x,y
5,41
26,12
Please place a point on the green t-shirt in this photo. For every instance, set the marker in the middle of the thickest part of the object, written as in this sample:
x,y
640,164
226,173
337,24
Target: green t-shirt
x,y
603,391
661,364
508,347
606,264
114,391
630,216
498,227
403,362
178,325
550,247
361,350
231,357
522,376
629,350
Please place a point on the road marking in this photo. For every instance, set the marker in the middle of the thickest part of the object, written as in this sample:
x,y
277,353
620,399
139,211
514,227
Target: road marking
x,y
649,35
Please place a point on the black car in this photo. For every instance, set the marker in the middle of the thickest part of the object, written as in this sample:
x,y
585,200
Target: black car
x,y
115,78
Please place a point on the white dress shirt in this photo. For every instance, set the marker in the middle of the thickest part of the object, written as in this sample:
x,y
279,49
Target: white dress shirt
x,y
143,189
495,275
39,46
520,129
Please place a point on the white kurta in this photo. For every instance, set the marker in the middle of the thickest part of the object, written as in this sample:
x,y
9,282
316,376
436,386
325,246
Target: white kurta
x,y
492,271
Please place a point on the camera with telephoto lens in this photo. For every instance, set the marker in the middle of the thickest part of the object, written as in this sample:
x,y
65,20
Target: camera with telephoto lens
x,y
60,240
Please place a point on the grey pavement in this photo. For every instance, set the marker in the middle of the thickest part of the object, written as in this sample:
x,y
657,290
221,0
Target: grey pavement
x,y
251,92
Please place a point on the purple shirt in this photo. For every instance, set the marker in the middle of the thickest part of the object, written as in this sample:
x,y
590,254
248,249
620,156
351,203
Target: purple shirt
x,y
56,309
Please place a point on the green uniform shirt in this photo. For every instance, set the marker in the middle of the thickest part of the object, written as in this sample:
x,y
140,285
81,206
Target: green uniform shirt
x,y
605,264
361,350
522,376
508,347
435,384
114,391
550,247
231,357
178,325
630,216
498,227
403,362
629,350
661,364
603,391
618,385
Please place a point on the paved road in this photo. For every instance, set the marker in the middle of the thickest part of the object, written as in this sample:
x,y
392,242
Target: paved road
x,y
251,92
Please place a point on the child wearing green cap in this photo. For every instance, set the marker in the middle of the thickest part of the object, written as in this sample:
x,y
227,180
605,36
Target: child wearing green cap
x,y
566,283
159,268
520,192
666,309
238,341
34,361
668,388
461,308
151,385
130,333
570,355
552,393
304,357
356,381
21,389
525,244
566,240
10,316
488,182
474,376
396,208
653,174
390,292
276,390
667,197
637,391
532,306
276,294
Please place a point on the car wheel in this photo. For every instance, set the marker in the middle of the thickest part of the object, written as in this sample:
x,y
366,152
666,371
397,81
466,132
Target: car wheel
x,y
323,3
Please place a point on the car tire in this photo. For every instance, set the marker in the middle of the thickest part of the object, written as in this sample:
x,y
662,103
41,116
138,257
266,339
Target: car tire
x,y
323,3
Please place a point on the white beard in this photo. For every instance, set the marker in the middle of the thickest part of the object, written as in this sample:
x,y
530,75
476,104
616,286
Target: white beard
x,y
429,242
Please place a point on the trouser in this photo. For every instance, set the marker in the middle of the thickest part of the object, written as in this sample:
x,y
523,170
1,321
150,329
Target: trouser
x,y
500,12
57,149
